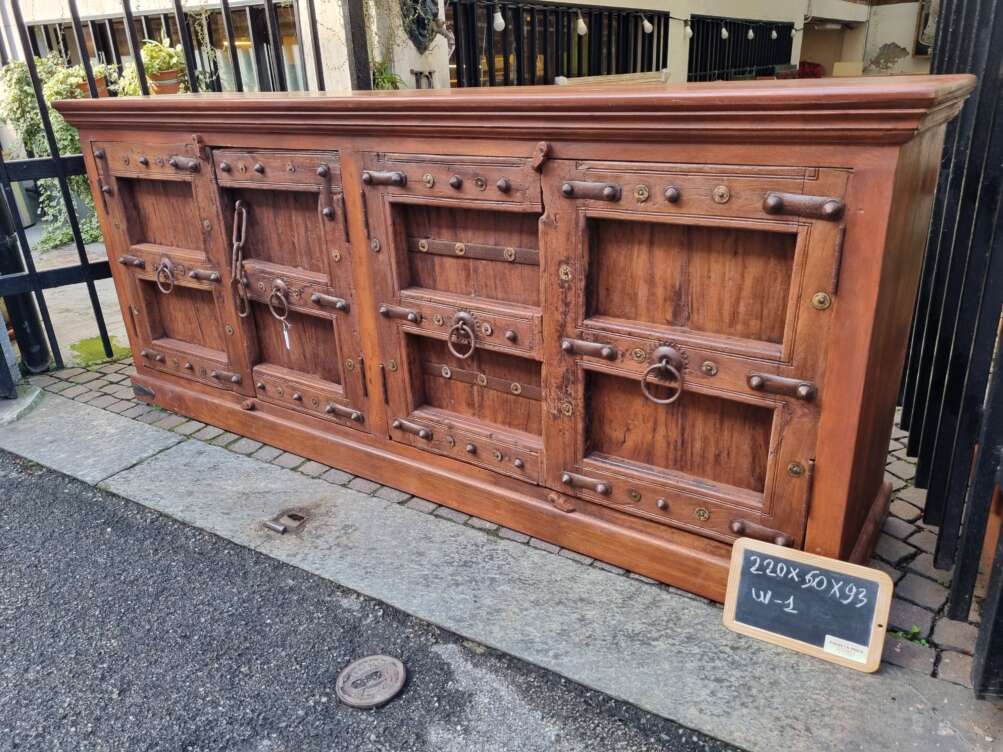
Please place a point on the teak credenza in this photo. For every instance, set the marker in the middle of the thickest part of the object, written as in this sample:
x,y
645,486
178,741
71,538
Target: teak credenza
x,y
635,322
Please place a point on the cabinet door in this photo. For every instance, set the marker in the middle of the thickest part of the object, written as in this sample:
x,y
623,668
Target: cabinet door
x,y
161,202
286,214
693,319
457,252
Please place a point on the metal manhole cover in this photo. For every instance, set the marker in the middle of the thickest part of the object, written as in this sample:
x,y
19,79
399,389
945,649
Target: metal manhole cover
x,y
370,682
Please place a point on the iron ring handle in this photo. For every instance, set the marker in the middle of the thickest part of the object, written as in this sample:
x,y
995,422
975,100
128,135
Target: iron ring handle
x,y
165,276
663,364
278,294
460,326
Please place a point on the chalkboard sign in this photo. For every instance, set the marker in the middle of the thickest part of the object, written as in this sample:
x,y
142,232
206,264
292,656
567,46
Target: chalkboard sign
x,y
824,607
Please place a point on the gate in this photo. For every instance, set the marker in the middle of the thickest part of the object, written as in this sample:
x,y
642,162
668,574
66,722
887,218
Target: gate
x,y
952,393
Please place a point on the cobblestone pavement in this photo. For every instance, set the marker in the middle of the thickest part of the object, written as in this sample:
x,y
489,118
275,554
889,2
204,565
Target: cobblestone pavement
x,y
921,638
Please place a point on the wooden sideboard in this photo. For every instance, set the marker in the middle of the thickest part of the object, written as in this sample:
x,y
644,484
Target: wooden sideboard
x,y
635,322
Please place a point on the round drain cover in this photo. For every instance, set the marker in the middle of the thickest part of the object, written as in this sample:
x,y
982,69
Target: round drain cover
x,y
371,681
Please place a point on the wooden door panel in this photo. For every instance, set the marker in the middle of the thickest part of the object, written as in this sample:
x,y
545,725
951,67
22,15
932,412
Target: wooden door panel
x,y
161,201
730,290
296,270
460,271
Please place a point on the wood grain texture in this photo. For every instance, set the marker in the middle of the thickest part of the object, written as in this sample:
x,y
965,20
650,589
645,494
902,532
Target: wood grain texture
x,y
734,289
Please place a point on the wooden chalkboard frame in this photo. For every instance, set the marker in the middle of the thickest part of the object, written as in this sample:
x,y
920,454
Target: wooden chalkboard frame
x,y
879,623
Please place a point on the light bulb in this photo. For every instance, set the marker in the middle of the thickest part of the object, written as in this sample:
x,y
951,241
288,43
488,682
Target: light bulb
x,y
773,34
688,31
582,28
499,21
792,31
750,35
724,32
646,25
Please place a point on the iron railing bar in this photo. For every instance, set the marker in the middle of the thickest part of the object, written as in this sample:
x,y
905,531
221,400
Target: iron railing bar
x,y
186,45
29,262
4,58
275,41
85,59
943,227
548,66
231,43
489,42
263,78
298,24
318,63
134,48
165,27
460,34
532,45
47,279
64,186
144,21
112,44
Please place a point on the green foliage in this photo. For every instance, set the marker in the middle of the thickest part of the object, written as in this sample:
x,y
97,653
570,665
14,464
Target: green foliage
x,y
912,636
384,76
19,108
158,57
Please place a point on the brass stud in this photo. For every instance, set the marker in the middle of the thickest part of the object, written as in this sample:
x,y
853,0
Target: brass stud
x,y
228,329
486,329
336,255
721,194
447,373
567,408
437,319
634,494
482,380
460,249
516,387
709,367
423,245
509,254
496,454
375,244
639,355
702,514
642,193
450,441
821,300
795,469
392,365
350,364
480,182
428,179
564,272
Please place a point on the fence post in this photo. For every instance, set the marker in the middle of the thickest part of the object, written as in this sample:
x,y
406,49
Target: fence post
x,y
21,308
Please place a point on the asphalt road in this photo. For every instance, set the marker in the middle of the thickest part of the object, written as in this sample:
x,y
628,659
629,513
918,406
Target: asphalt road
x,y
122,629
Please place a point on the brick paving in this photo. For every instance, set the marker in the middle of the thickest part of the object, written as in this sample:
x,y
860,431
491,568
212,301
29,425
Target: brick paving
x,y
920,637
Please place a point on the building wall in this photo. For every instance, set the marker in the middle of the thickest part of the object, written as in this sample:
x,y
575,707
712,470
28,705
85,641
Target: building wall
x,y
890,39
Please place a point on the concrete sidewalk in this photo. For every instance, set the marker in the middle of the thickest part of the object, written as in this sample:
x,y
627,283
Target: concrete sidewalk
x,y
650,645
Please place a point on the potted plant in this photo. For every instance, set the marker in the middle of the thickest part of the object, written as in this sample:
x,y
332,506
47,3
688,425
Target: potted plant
x,y
103,76
164,66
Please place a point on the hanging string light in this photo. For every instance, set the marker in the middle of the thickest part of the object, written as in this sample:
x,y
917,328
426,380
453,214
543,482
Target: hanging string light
x,y
499,20
773,33
688,30
750,35
583,29
646,25
724,32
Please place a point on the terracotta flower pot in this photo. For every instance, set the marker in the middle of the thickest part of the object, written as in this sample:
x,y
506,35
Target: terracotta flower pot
x,y
100,82
165,82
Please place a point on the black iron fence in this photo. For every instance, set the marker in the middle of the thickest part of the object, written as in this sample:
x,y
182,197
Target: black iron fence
x,y
952,394
500,44
257,47
723,49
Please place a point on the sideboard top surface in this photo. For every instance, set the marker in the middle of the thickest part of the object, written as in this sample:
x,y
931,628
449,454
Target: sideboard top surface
x,y
872,109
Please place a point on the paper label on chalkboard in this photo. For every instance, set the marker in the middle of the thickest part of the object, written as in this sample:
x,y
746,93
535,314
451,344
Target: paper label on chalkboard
x,y
845,649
